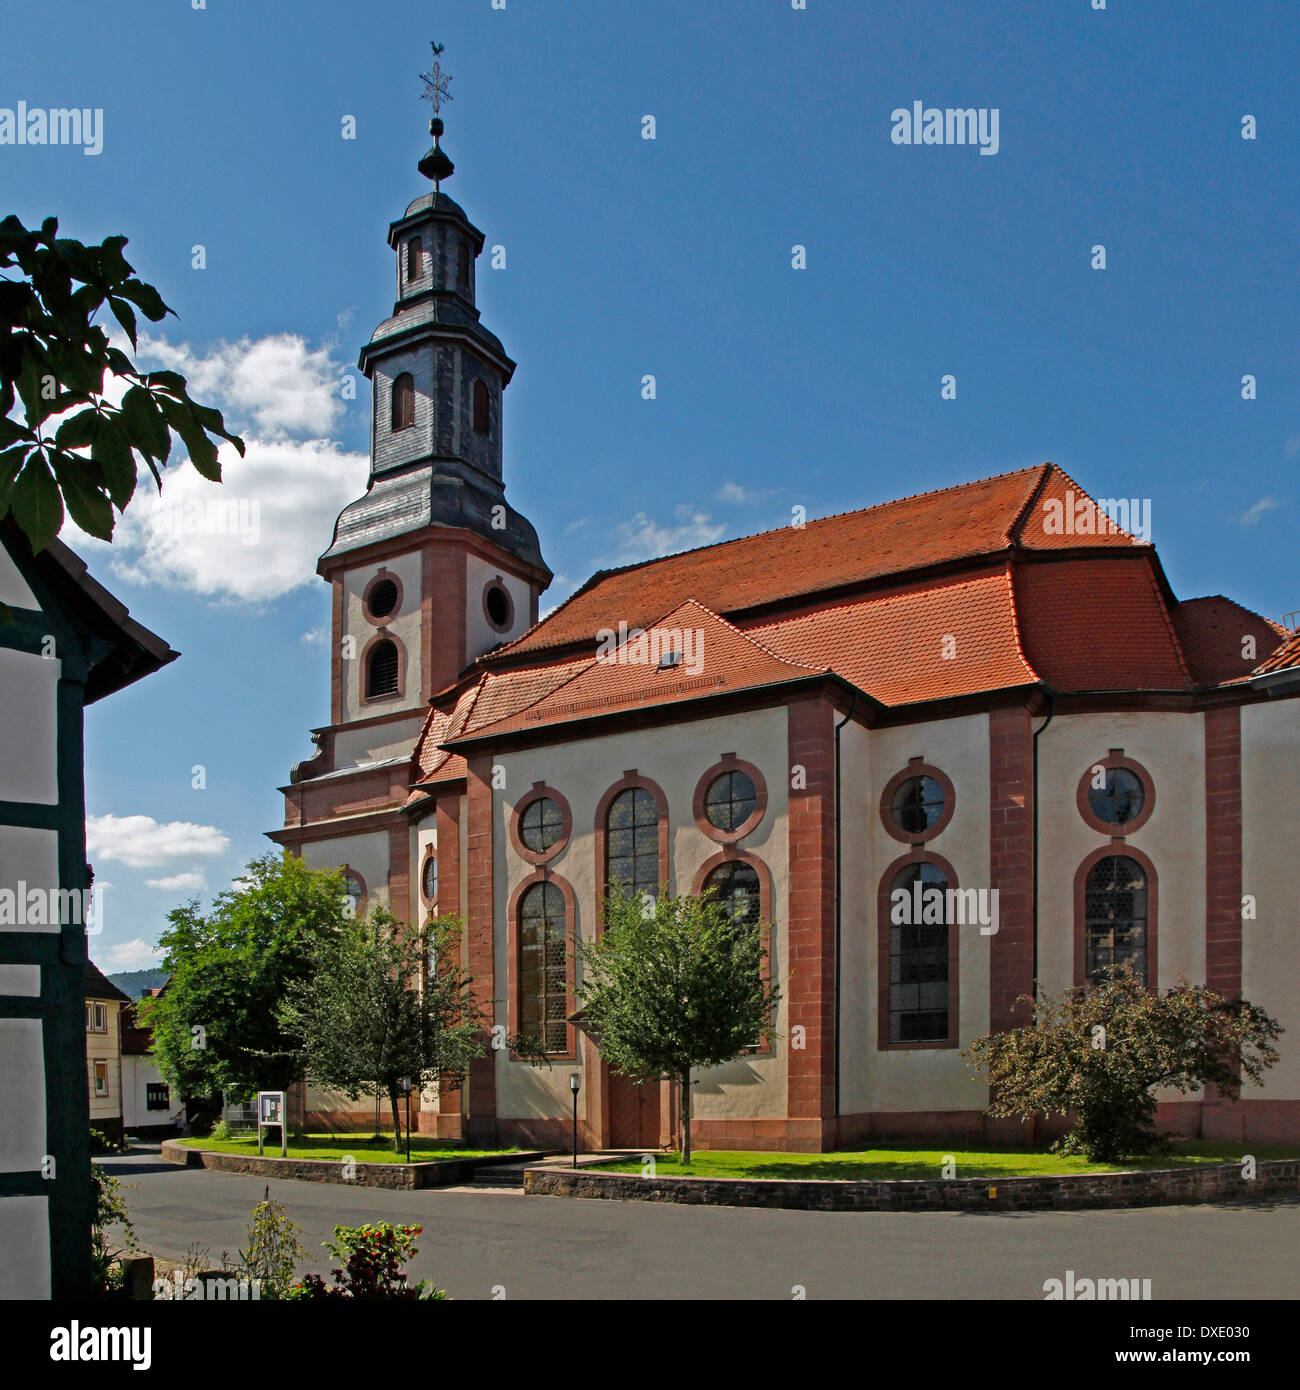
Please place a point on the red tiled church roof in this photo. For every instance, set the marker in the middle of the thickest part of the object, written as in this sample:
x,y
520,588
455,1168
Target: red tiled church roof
x,y
1212,630
986,586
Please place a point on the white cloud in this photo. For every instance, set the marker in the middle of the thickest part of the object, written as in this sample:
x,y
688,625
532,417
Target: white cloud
x,y
275,386
642,538
315,637
255,536
131,955
739,493
1252,516
173,882
140,842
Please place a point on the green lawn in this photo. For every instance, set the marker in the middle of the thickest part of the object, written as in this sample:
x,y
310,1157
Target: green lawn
x,y
364,1148
988,1162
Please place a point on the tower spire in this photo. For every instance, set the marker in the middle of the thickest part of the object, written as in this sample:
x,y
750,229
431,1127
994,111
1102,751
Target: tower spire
x,y
436,165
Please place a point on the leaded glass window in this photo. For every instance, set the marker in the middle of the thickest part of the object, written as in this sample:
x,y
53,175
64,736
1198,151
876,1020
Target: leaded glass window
x,y
543,967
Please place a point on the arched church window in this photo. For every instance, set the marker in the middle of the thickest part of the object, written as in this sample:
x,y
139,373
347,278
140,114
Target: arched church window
x,y
480,408
632,842
543,966
382,669
403,402
414,259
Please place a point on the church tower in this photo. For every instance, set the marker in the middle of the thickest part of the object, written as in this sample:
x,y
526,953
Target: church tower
x,y
432,567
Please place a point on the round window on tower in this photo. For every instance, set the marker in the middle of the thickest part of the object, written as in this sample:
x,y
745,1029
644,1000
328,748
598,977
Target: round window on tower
x,y
382,597
498,606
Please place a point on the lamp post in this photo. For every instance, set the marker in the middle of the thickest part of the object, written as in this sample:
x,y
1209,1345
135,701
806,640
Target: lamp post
x,y
575,1081
406,1087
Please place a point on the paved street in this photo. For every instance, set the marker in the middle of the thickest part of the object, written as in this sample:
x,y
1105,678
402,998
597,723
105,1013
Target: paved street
x,y
549,1247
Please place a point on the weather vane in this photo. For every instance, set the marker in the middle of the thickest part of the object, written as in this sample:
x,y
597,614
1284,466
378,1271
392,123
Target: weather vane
x,y
436,81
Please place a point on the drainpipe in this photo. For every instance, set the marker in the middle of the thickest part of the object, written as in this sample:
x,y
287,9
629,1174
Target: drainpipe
x,y
1051,714
838,903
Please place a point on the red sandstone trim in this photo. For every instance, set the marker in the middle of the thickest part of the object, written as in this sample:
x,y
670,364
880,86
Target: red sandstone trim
x,y
479,924
1011,863
498,582
917,767
1223,864
916,855
1117,846
1116,758
730,763
430,903
449,1122
336,653
810,933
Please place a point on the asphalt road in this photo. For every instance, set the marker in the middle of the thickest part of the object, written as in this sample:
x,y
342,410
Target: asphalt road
x,y
490,1244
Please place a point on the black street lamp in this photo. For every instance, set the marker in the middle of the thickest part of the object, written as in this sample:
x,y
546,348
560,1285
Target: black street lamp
x,y
575,1080
406,1086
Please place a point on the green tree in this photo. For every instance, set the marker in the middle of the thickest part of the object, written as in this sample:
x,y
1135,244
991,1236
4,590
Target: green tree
x,y
385,1001
216,1025
1098,1054
674,984
75,448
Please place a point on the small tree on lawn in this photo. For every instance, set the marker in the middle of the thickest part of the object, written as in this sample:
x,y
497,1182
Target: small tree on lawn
x,y
673,984
215,1026
1098,1054
384,1001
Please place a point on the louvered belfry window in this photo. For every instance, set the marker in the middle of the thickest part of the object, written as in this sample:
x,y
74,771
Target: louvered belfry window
x,y
480,408
414,259
403,402
543,967
382,669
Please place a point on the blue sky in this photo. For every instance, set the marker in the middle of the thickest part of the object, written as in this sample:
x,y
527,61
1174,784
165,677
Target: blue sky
x,y
625,257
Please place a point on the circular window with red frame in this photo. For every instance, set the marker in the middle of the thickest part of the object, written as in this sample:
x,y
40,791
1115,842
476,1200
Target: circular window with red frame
x,y
730,799
917,803
541,824
1116,795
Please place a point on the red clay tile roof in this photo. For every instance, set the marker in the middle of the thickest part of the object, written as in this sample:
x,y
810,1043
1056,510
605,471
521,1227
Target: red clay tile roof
x,y
1023,572
913,533
1211,631
718,657
1286,656
1098,625
892,645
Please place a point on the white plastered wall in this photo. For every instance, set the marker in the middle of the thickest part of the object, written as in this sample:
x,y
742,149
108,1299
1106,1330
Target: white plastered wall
x,y
675,758
480,635
404,625
1270,851
919,1078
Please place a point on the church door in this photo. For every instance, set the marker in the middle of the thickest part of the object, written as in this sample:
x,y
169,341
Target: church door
x,y
633,1114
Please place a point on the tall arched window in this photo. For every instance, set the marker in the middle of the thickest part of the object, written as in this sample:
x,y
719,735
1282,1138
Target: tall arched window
x,y
632,842
403,402
543,967
382,669
918,955
1115,917
414,259
480,408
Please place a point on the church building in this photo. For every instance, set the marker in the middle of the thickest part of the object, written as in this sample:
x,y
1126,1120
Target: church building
x,y
990,689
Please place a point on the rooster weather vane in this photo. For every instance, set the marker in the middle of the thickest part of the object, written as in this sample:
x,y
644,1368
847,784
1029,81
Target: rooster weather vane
x,y
436,165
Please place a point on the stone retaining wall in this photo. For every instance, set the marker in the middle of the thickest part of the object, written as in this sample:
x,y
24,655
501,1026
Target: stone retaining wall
x,y
1154,1187
441,1172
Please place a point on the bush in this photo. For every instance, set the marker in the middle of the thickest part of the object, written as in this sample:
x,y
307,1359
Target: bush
x,y
1098,1054
110,1210
100,1143
274,1249
372,1258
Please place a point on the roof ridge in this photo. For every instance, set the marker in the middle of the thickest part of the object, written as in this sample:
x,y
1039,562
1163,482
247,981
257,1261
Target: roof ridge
x,y
753,641
1011,535
1015,623
1168,617
1254,613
